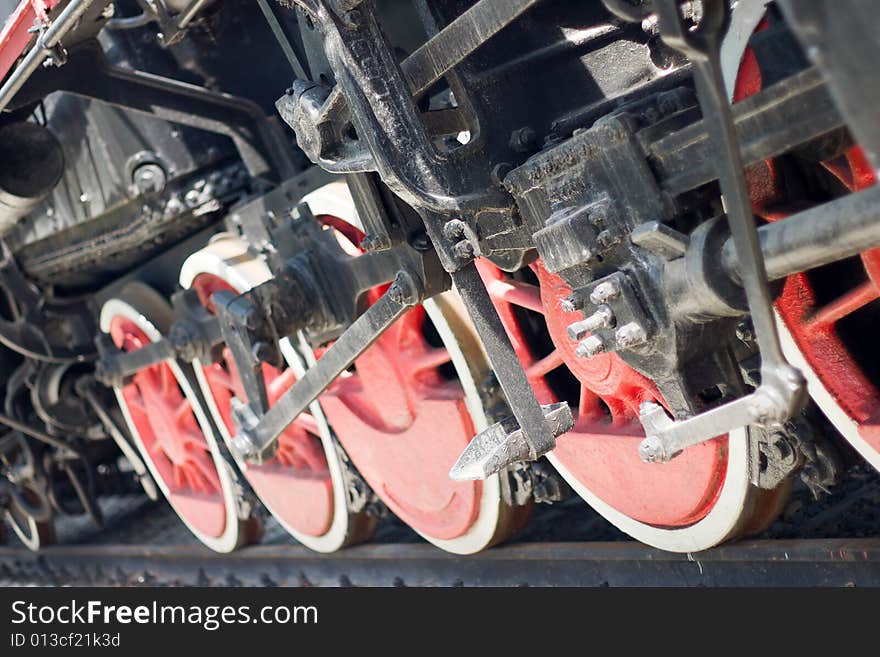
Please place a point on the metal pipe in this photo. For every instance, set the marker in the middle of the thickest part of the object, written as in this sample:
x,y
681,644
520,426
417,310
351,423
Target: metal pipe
x,y
41,49
292,59
189,13
818,236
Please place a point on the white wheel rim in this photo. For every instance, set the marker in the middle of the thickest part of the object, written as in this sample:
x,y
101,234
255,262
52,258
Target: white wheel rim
x,y
31,542
722,521
229,539
734,503
228,258
335,199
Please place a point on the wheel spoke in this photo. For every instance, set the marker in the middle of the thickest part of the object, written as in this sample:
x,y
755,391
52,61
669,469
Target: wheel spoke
x,y
165,378
845,305
278,385
544,366
218,376
588,405
182,409
194,438
516,293
306,422
136,402
431,359
206,471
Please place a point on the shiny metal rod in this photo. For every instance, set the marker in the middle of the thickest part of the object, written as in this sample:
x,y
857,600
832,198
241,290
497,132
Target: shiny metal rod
x,y
827,233
42,48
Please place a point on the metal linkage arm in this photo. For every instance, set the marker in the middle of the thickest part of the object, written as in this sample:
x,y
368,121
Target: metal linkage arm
x,y
257,437
533,431
192,336
113,366
782,389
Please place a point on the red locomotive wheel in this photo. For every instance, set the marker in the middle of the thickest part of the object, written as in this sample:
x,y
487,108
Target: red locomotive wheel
x,y
407,410
303,485
695,501
825,316
171,430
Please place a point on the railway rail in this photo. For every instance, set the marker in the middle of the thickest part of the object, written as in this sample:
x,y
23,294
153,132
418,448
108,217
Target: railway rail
x,y
444,261
831,543
810,562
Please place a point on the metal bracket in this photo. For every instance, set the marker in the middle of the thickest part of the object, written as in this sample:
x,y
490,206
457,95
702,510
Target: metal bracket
x,y
530,432
782,390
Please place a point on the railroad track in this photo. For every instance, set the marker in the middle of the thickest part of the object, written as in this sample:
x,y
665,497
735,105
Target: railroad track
x,y
833,542
811,562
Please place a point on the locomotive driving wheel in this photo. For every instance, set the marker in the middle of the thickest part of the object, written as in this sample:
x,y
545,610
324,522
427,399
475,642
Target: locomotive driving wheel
x,y
172,430
303,485
827,317
410,405
699,499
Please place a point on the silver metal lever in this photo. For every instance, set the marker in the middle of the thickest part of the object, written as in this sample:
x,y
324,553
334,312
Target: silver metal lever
x,y
503,443
782,391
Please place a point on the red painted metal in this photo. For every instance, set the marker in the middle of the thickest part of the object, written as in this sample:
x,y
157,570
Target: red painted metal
x,y
811,322
602,449
18,30
404,423
296,483
164,420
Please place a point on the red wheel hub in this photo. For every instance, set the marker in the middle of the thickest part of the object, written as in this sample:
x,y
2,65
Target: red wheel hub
x,y
404,423
602,449
812,311
170,433
295,484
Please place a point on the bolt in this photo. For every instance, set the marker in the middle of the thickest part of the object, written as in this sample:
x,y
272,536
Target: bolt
x,y
191,198
500,171
599,216
606,239
404,290
523,140
590,347
454,229
630,335
602,318
395,292
574,301
745,331
651,450
149,178
463,250
604,292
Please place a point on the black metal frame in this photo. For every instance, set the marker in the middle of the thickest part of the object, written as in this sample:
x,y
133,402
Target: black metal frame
x,y
615,187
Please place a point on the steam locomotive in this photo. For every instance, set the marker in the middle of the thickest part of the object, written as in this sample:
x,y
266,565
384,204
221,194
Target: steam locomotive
x,y
324,259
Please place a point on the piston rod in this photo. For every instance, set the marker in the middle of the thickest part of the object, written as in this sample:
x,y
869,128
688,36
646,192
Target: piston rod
x,y
821,235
